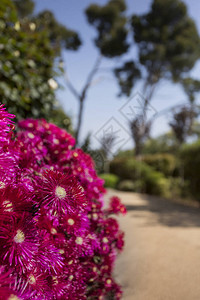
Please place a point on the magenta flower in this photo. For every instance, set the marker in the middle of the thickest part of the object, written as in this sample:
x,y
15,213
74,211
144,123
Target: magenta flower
x,y
116,207
56,241
60,194
18,240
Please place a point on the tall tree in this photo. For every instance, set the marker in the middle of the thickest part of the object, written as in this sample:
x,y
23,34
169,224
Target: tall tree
x,y
60,36
182,122
109,22
168,47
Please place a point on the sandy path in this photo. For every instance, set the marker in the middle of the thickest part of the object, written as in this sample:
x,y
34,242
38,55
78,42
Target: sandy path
x,y
161,259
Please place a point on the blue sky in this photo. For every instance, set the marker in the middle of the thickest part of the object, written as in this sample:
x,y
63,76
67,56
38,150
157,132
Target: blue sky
x,y
102,102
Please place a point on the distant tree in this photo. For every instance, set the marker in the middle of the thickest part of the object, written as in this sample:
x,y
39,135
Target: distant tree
x,y
127,75
110,23
168,47
165,143
191,87
182,123
183,120
60,36
140,130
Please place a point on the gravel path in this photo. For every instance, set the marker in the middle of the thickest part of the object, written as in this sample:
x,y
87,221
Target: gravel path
x,y
161,259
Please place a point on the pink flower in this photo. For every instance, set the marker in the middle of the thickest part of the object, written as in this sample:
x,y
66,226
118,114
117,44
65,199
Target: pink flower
x,y
18,240
56,241
116,206
59,193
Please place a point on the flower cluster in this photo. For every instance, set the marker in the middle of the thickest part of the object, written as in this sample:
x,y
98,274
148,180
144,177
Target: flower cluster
x,y
56,239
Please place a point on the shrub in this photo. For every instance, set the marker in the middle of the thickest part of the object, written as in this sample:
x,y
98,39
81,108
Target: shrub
x,y
56,240
179,188
127,185
164,163
111,180
190,159
145,178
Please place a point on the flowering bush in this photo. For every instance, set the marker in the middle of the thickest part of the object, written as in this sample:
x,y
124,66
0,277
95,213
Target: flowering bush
x,y
56,240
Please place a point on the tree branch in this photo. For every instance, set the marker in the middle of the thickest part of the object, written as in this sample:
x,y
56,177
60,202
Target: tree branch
x,y
72,88
90,77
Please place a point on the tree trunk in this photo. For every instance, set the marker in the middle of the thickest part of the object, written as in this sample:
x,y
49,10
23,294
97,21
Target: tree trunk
x,y
80,119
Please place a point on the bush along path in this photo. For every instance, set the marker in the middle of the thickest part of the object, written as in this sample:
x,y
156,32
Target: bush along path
x,y
56,240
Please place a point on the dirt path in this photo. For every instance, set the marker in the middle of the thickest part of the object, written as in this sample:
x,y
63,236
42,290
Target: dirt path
x,y
161,259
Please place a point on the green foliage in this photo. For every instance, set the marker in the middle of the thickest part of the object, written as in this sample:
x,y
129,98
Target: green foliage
x,y
24,70
168,47
110,22
7,13
128,186
125,153
145,178
182,122
165,143
191,87
24,7
156,184
190,159
111,180
164,163
59,35
27,65
127,75
168,39
179,188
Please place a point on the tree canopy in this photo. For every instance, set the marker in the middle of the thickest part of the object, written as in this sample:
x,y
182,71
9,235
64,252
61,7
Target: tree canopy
x,y
110,24
168,43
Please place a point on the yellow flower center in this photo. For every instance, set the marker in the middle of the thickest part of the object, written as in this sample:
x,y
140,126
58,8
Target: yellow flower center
x,y
71,277
94,216
13,297
31,279
31,135
2,185
105,240
60,192
79,240
19,237
53,231
70,221
8,205
55,280
56,141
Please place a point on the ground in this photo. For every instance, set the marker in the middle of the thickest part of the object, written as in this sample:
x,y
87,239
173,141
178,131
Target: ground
x,y
161,259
